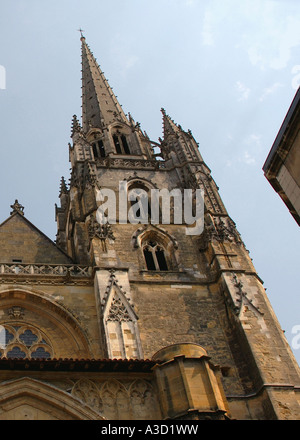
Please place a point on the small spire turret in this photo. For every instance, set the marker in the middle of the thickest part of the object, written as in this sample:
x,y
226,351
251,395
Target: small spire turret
x,y
76,127
63,187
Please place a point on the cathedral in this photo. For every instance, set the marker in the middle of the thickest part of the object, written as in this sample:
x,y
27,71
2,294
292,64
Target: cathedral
x,y
136,320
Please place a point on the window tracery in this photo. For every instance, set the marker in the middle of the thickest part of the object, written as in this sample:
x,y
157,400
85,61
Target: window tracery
x,y
19,341
154,255
159,249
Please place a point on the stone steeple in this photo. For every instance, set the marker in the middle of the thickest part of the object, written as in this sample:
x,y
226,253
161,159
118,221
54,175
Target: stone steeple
x,y
100,106
104,124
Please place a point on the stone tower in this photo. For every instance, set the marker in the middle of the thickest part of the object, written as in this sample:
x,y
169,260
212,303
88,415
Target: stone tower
x,y
134,318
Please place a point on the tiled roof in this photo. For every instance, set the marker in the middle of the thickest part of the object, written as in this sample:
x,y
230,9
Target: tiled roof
x,y
83,365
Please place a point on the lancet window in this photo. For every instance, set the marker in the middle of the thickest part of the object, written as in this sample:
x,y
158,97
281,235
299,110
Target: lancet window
x,y
121,144
154,255
98,149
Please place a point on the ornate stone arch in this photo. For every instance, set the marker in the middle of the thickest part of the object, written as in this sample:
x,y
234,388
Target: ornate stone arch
x,y
142,398
136,180
64,331
116,401
119,125
93,133
31,399
86,391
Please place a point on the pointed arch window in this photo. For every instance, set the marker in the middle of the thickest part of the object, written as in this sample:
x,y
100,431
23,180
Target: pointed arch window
x,y
121,144
158,248
154,255
98,149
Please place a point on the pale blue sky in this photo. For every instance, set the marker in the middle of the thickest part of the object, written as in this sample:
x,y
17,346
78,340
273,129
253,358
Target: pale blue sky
x,y
226,69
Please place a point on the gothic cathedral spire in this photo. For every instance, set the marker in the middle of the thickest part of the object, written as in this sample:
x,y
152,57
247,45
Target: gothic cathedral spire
x,y
100,106
155,288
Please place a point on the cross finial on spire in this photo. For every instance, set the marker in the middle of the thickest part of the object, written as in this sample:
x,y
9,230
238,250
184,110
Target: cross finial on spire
x,y
81,32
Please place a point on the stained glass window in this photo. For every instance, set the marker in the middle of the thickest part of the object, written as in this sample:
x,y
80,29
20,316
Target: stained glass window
x,y
28,338
40,353
23,341
16,353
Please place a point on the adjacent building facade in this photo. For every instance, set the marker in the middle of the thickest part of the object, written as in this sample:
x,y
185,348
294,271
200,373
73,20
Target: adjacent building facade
x,y
282,166
136,320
